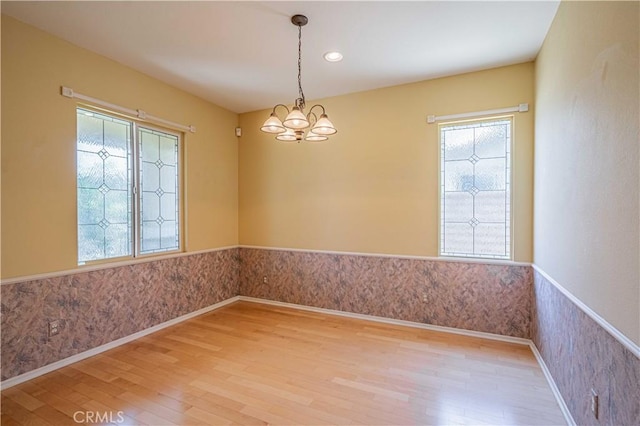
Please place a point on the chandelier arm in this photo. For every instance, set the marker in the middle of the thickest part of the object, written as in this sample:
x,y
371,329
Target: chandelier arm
x,y
309,116
319,106
280,105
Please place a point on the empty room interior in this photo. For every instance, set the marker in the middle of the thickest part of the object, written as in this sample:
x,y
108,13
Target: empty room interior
x,y
314,213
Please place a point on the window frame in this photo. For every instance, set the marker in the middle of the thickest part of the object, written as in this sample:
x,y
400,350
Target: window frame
x,y
510,174
136,192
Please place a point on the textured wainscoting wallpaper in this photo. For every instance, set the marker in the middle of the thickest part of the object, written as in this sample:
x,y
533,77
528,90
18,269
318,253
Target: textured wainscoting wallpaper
x,y
472,296
582,355
101,306
98,307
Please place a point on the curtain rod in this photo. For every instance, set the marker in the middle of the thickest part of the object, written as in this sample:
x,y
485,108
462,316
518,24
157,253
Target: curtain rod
x,y
69,93
520,108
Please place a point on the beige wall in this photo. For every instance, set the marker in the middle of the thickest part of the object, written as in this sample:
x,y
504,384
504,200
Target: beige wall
x,y
38,149
373,187
586,161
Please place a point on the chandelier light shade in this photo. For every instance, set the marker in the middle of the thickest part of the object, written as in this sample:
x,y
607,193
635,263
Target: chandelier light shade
x,y
287,136
324,126
296,121
273,124
312,137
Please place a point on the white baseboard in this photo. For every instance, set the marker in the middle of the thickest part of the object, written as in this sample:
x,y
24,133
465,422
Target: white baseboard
x,y
552,384
99,349
470,333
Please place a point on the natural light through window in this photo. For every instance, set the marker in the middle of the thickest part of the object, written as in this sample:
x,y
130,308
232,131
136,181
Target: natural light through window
x,y
475,188
128,188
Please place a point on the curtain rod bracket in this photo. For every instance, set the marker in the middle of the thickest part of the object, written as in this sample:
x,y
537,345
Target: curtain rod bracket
x,y
67,91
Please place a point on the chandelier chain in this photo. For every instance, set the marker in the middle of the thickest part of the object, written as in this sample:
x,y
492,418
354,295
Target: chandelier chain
x,y
300,92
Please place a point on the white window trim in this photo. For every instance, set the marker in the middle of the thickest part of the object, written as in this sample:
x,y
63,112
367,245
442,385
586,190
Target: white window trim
x,y
511,189
138,194
136,220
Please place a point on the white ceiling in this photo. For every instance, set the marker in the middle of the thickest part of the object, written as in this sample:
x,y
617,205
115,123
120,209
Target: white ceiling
x,y
243,55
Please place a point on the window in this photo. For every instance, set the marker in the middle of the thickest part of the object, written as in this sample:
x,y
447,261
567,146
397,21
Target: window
x,y
128,188
475,188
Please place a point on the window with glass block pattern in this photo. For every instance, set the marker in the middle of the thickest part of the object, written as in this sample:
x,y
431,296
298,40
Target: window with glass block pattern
x,y
127,188
475,188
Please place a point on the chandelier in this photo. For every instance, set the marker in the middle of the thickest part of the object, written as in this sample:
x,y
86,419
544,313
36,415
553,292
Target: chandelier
x,y
296,121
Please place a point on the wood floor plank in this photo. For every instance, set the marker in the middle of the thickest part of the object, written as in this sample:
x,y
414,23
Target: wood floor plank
x,y
24,399
257,364
20,414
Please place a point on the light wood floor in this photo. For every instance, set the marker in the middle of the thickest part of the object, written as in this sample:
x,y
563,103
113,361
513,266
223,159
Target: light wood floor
x,y
251,363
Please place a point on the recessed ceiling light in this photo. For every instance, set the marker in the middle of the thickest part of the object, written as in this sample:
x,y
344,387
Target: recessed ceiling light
x,y
333,56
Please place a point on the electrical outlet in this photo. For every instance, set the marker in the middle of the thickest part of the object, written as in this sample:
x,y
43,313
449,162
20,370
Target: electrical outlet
x,y
264,279
424,297
594,403
54,327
